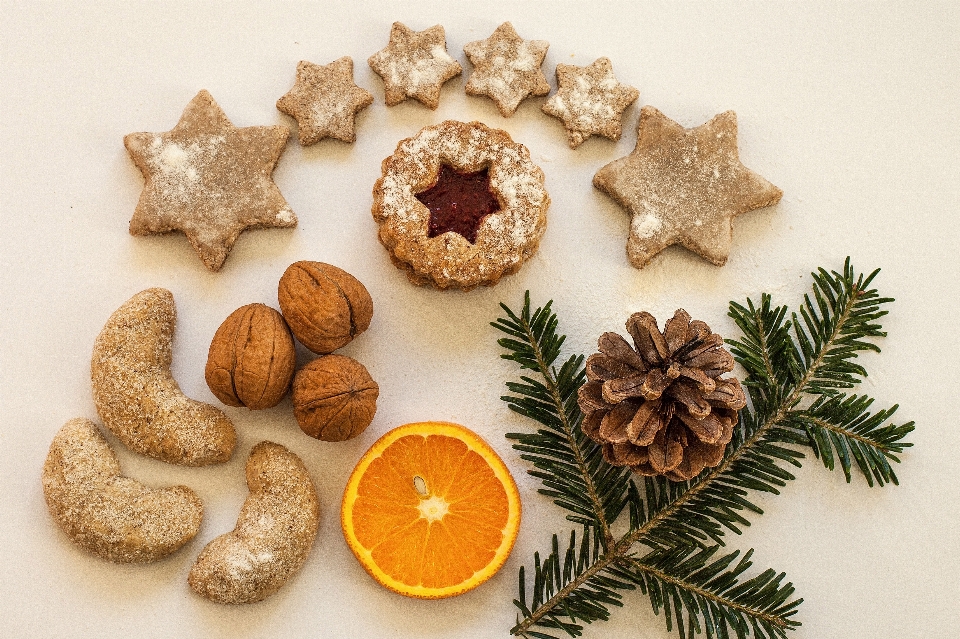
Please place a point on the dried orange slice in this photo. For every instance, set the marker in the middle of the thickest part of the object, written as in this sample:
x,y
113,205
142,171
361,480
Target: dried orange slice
x,y
431,511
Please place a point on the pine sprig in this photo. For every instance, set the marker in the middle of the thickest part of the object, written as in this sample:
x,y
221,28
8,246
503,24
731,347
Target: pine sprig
x,y
841,429
679,526
701,593
568,462
585,598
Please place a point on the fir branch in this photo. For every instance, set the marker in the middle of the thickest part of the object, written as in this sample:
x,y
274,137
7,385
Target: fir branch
x,y
786,360
567,462
841,428
690,586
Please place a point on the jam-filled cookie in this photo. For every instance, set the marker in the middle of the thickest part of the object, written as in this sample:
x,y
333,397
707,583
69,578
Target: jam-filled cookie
x,y
460,205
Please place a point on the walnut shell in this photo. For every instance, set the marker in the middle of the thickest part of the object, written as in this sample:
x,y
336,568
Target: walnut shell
x,y
334,398
325,306
251,358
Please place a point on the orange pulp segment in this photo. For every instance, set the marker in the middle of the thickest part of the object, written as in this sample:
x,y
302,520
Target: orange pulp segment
x,y
431,511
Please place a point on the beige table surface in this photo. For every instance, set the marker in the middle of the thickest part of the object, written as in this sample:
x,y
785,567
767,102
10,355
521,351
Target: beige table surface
x,y
851,108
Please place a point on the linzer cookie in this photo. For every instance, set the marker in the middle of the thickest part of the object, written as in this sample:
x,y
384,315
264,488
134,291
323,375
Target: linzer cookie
x,y
460,205
325,101
209,179
414,65
506,68
684,186
590,101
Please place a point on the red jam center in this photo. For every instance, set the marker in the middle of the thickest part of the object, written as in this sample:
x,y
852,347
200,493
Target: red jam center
x,y
458,202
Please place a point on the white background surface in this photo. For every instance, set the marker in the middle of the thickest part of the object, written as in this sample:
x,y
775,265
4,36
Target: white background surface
x,y
851,108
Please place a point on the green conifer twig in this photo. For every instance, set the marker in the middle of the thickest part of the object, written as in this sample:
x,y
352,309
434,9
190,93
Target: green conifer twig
x,y
786,360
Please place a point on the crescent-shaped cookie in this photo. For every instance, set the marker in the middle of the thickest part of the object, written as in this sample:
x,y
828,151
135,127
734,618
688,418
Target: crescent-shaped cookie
x,y
275,531
136,395
107,514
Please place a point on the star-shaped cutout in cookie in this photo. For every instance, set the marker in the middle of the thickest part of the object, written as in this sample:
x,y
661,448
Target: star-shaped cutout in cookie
x,y
415,64
589,101
325,101
506,68
208,179
684,186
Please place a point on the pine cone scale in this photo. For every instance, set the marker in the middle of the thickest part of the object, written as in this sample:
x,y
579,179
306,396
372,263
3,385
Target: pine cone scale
x,y
645,424
655,383
675,331
601,367
718,360
665,453
617,390
647,338
696,402
617,348
708,429
705,382
613,427
727,395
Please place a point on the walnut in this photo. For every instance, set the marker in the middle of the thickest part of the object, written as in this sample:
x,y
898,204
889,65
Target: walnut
x,y
334,398
251,358
325,306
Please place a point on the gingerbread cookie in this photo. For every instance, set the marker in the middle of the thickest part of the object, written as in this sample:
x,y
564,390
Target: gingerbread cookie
x,y
460,205
506,68
684,186
589,101
209,180
325,101
414,65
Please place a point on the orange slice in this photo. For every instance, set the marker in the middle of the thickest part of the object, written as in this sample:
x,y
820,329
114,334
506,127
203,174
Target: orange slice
x,y
431,511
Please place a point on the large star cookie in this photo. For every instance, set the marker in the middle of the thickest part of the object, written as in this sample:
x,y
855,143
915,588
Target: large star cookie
x,y
208,179
325,101
589,101
506,68
684,186
415,64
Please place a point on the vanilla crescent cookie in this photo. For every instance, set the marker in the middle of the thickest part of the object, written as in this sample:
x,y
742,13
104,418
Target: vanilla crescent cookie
x,y
273,536
105,513
136,395
460,205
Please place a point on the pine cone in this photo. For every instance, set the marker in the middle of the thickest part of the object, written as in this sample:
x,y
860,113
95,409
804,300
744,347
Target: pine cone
x,y
660,406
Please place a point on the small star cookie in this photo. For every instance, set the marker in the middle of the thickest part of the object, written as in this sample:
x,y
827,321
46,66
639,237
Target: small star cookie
x,y
590,101
415,64
208,179
325,101
684,186
506,68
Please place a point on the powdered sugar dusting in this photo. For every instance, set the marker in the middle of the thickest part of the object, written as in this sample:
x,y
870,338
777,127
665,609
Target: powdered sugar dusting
x,y
177,169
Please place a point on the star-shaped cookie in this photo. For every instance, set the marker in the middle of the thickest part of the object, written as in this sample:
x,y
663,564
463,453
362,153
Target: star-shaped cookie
x,y
506,68
684,186
589,101
325,101
208,179
415,64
